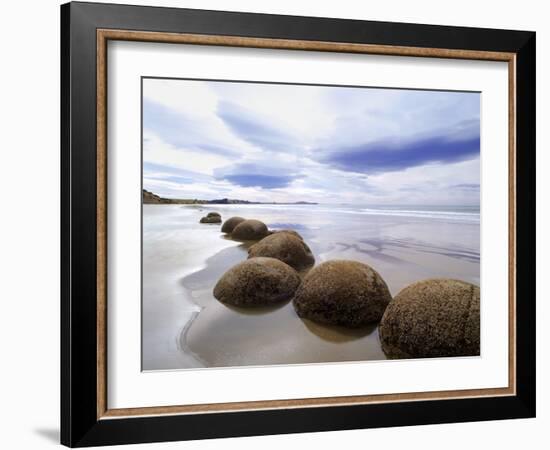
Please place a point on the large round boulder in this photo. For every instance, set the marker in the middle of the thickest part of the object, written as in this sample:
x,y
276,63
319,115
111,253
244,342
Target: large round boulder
x,y
285,247
250,230
341,292
256,282
432,318
230,224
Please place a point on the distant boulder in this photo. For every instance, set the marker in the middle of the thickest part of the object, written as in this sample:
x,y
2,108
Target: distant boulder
x,y
211,218
230,224
256,282
286,247
250,230
432,318
341,292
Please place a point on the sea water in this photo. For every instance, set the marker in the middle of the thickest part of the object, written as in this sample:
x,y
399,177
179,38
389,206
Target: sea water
x,y
185,327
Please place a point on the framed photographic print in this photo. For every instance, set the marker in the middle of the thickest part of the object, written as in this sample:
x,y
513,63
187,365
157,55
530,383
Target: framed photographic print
x,y
278,224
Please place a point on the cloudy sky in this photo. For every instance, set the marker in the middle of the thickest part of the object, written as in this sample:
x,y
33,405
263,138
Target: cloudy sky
x,y
286,143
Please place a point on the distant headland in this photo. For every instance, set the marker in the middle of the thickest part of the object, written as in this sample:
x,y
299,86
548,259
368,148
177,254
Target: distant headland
x,y
154,199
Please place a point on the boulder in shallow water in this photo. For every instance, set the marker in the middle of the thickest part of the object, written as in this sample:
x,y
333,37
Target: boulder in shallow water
x,y
285,247
250,230
230,224
257,282
342,292
211,219
432,318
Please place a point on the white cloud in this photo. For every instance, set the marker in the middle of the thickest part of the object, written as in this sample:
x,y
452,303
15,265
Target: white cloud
x,y
156,151
305,120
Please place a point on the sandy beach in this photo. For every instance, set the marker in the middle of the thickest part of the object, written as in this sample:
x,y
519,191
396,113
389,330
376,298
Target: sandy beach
x,y
184,326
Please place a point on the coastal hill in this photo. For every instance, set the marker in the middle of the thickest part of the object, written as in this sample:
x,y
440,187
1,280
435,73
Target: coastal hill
x,y
152,199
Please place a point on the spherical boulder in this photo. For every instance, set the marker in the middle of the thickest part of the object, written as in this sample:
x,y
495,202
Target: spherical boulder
x,y
214,214
292,232
230,224
257,282
432,318
285,247
342,292
250,230
211,219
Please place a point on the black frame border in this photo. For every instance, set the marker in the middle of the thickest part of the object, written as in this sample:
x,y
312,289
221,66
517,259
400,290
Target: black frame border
x,y
79,423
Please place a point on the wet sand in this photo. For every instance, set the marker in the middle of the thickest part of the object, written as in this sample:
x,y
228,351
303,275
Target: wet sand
x,y
184,326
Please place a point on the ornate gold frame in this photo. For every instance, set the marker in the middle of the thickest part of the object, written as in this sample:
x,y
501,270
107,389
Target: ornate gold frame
x,y
103,36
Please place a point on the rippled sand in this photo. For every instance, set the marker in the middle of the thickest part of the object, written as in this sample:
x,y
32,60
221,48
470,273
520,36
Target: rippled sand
x,y
184,326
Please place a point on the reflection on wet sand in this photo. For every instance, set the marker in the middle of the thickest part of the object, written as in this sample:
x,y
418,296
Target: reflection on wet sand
x,y
334,333
222,335
184,260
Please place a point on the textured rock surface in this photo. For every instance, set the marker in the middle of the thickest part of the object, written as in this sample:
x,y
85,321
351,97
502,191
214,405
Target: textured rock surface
x,y
250,230
432,318
230,224
342,292
285,247
257,281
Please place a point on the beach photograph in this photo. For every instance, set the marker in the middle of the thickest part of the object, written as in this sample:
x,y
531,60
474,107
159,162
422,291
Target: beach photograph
x,y
300,224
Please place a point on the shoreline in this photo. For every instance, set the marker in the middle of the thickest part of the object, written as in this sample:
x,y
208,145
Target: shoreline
x,y
182,338
314,343
185,259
